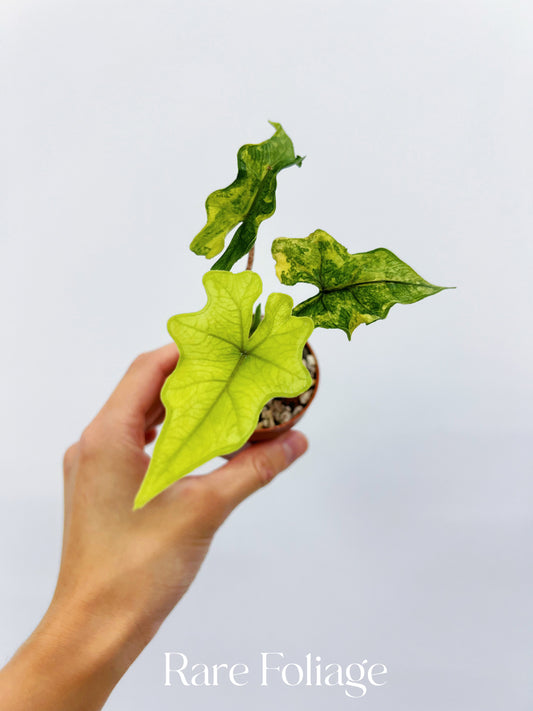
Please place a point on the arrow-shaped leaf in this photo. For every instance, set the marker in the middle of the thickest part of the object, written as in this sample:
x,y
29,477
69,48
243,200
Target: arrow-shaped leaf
x,y
353,288
224,376
249,200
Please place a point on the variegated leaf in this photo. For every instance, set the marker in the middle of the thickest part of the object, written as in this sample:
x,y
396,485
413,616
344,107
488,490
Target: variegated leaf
x,y
249,200
352,288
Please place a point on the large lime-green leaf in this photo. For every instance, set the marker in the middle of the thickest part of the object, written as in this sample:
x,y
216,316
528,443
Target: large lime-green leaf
x,y
249,200
353,288
224,376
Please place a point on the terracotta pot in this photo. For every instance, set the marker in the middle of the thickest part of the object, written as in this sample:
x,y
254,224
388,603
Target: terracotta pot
x,y
264,433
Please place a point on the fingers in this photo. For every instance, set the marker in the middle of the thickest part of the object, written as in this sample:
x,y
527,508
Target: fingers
x,y
155,415
150,435
69,458
253,468
137,394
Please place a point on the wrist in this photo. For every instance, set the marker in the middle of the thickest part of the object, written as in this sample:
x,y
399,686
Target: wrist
x,y
72,661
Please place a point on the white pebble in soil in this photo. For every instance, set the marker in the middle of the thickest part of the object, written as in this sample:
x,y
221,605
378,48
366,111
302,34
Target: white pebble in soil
x,y
279,410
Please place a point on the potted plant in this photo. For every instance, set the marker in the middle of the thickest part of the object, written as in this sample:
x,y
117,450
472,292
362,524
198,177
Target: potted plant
x,y
234,359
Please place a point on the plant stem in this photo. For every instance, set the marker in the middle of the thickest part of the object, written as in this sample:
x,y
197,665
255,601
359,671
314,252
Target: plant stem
x,y
250,262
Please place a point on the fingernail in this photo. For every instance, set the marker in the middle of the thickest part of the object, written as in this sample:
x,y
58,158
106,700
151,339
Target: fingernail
x,y
294,444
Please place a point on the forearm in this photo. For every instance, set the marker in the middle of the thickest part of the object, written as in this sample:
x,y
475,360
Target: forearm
x,y
71,662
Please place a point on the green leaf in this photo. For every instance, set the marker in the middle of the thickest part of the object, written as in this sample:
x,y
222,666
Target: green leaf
x,y
224,377
256,319
249,200
353,288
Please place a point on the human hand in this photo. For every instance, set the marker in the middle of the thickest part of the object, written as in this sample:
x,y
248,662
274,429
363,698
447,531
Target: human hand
x,y
122,571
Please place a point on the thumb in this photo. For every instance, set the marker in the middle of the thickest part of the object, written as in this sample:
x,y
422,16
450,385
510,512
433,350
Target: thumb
x,y
254,467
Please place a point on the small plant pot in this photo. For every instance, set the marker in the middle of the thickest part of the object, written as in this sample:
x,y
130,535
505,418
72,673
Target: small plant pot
x,y
262,432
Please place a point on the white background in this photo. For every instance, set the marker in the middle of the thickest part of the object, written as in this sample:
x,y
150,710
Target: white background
x,y
404,535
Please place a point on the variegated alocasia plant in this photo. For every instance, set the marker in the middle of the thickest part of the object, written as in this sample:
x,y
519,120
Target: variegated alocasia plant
x,y
232,361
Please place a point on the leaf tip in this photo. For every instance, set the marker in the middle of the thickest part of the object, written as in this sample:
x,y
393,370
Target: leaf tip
x,y
140,501
437,289
147,491
276,125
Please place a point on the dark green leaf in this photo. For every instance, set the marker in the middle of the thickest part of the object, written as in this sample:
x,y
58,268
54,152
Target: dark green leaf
x,y
256,319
